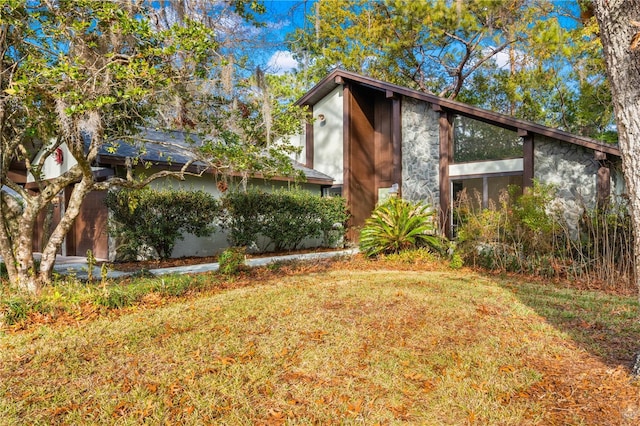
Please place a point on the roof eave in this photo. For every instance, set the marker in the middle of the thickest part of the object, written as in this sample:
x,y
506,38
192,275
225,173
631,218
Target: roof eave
x,y
338,77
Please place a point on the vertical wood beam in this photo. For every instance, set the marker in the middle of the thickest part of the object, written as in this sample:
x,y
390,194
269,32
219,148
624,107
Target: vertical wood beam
x,y
309,139
396,140
603,180
346,152
446,141
528,158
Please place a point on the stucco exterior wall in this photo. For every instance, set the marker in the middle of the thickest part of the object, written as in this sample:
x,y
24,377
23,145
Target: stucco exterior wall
x,y
195,246
328,136
420,152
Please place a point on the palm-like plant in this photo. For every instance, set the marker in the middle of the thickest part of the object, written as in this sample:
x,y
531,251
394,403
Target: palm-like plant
x,y
398,225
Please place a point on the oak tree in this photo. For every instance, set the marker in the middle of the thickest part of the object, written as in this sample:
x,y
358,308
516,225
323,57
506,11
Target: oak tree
x,y
90,74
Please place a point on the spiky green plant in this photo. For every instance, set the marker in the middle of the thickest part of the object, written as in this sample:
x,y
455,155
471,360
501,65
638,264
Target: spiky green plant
x,y
398,225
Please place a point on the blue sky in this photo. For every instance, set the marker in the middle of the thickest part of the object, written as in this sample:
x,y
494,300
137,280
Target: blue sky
x,y
282,17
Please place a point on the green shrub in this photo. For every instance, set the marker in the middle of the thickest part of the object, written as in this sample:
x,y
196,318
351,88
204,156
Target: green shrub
x,y
173,285
282,219
398,225
532,233
456,261
231,261
243,216
157,219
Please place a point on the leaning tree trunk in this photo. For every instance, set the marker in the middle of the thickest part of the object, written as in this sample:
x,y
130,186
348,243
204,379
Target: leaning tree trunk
x,y
56,239
619,22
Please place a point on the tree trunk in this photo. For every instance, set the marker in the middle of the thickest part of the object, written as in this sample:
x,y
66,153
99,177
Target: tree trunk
x,y
9,215
26,278
617,31
71,212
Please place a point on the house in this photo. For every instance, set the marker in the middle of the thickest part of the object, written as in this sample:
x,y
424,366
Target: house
x,y
161,150
374,138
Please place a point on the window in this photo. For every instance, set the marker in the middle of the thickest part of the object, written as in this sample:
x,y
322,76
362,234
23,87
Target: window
x,y
480,193
483,191
475,140
332,191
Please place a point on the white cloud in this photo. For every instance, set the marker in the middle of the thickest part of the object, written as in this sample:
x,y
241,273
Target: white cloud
x,y
281,61
503,60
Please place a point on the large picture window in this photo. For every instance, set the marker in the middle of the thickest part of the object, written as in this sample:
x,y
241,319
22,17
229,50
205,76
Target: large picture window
x,y
475,140
486,190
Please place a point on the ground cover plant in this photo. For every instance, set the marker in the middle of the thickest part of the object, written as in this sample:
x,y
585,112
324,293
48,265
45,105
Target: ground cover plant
x,y
403,340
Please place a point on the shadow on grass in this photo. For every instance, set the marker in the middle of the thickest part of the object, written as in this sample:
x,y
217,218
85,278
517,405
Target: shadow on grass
x,y
606,326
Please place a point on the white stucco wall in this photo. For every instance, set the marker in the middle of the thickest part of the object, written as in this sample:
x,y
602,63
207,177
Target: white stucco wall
x,y
51,168
217,242
328,135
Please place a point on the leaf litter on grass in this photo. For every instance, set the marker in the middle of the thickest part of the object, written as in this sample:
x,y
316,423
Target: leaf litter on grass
x,y
326,346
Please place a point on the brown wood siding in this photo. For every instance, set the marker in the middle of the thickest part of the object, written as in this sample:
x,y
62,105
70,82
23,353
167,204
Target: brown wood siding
x,y
396,140
90,227
383,143
40,233
361,153
446,143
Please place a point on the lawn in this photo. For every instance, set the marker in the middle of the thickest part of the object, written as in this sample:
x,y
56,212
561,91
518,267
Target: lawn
x,y
342,344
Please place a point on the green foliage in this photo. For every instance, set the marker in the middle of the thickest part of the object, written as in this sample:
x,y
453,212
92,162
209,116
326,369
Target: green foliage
x,y
91,263
398,225
118,297
231,261
282,219
456,261
157,219
17,308
519,227
516,57
90,74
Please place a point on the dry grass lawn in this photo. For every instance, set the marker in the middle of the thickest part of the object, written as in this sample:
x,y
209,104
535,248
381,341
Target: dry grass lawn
x,y
348,346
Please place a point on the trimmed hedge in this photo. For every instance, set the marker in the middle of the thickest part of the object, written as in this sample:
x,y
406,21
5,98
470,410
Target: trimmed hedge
x,y
282,219
157,219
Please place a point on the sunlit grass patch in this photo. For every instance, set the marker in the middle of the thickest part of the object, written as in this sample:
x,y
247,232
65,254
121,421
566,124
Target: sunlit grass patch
x,y
348,347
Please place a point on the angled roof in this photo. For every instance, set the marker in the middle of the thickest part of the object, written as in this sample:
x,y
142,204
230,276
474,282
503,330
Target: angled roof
x,y
339,77
171,149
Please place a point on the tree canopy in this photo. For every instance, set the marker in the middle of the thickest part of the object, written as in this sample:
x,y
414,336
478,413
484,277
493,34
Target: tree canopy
x,y
86,74
534,60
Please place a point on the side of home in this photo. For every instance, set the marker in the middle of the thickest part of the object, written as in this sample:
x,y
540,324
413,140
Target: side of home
x,y
374,137
161,150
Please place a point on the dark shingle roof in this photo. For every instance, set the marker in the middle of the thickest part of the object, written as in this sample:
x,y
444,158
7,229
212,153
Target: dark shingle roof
x,y
171,149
